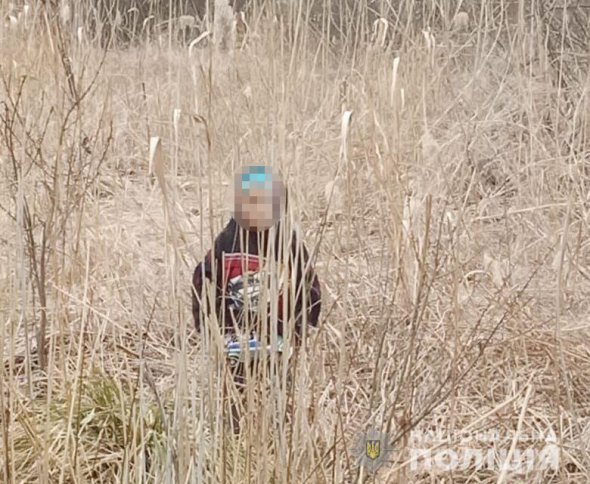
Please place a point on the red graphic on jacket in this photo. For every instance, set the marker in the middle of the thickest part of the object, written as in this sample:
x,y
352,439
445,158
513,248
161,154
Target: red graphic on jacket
x,y
242,280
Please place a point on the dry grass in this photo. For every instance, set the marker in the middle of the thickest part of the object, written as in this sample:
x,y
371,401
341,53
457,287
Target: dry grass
x,y
451,232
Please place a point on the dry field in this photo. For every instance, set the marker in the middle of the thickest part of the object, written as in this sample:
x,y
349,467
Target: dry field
x,y
449,217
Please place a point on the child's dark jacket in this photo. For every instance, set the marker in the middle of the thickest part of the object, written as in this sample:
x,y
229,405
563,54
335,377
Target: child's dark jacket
x,y
231,259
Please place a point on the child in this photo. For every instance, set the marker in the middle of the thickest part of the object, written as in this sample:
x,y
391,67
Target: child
x,y
239,266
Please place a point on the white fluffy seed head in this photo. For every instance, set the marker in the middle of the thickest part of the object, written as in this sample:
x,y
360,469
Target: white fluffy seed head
x,y
187,21
80,35
156,163
176,121
346,118
394,78
65,13
461,21
224,28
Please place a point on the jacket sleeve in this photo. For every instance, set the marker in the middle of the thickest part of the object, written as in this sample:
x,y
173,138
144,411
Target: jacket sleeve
x,y
315,298
202,272
308,290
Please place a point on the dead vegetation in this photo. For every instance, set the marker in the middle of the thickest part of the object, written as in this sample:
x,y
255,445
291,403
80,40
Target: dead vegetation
x,y
448,213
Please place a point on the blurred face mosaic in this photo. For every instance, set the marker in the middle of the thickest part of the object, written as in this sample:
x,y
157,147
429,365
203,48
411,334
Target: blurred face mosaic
x,y
259,197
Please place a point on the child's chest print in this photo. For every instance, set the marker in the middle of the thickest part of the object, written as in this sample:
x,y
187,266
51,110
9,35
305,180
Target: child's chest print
x,y
247,280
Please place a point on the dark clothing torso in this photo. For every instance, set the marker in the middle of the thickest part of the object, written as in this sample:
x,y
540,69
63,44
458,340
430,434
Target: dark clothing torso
x,y
234,266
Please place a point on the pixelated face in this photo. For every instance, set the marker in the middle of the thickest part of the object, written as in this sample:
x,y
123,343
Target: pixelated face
x,y
259,197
